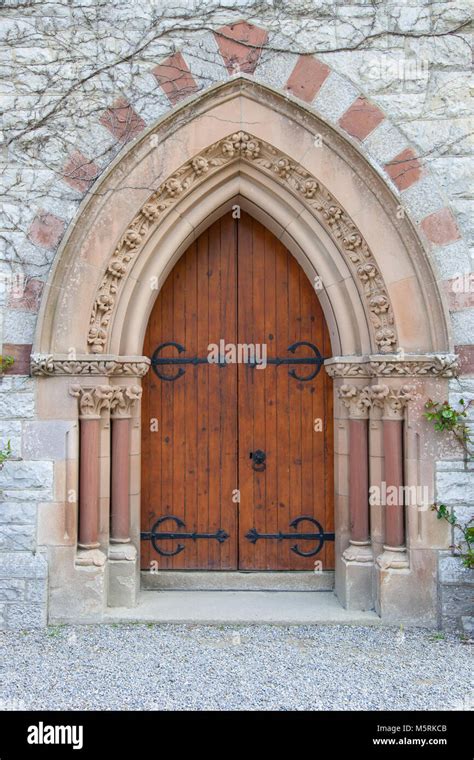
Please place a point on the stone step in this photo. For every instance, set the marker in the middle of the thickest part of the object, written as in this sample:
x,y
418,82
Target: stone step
x,y
188,580
239,608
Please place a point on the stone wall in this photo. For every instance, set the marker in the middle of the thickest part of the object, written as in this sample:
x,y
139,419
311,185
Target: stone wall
x,y
81,80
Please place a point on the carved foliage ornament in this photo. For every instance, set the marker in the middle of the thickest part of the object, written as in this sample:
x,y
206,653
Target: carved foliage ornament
x,y
236,147
93,400
123,400
47,365
434,366
391,400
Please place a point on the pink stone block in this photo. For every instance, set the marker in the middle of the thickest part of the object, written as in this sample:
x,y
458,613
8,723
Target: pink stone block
x,y
241,46
175,78
440,228
307,77
79,172
361,118
405,169
46,230
122,121
26,297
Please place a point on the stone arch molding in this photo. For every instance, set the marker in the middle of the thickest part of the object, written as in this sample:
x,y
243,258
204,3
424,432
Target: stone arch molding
x,y
244,143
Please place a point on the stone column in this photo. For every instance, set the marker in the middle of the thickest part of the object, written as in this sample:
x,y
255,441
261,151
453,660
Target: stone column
x,y
92,401
123,400
122,553
393,402
358,557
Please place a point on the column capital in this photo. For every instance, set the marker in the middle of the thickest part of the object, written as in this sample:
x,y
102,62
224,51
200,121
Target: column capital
x,y
391,400
124,397
356,399
92,400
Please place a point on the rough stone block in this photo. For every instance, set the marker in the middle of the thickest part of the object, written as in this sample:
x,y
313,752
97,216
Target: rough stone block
x,y
335,97
17,537
23,565
19,616
19,327
20,405
452,571
23,475
36,591
12,590
456,602
454,488
17,513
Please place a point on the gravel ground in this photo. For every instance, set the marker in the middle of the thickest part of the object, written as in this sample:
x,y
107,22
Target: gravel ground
x,y
178,667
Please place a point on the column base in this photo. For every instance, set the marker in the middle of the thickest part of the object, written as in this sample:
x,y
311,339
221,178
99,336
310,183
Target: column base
x,y
123,575
93,556
354,584
394,557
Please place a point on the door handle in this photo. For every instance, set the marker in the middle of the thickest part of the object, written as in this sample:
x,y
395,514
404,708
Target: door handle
x,y
258,458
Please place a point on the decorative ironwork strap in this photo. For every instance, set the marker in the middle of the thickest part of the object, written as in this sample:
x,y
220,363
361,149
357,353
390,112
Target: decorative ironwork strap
x,y
155,535
159,361
253,536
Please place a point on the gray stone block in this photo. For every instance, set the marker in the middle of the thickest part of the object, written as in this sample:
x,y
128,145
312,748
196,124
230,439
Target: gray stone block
x,y
27,475
456,602
24,615
452,571
23,565
17,513
36,591
21,405
17,537
12,590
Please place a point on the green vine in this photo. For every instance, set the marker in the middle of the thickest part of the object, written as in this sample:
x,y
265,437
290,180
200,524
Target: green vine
x,y
5,453
448,419
465,552
5,362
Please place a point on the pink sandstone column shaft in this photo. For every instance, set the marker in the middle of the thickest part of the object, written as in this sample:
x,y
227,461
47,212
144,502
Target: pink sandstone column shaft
x,y
120,488
89,476
359,480
393,456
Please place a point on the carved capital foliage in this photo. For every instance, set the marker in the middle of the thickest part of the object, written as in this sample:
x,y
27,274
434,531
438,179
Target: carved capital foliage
x,y
92,400
359,400
48,365
356,399
123,400
392,401
243,146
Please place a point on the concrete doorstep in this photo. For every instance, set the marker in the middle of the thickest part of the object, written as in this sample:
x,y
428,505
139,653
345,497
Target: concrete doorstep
x,y
240,607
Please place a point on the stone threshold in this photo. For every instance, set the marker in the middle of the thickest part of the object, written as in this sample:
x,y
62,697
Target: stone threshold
x,y
187,580
240,608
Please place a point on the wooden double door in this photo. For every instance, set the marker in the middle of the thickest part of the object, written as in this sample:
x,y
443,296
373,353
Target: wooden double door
x,y
237,463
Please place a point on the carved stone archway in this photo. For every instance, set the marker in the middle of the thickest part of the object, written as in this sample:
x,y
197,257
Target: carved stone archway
x,y
243,144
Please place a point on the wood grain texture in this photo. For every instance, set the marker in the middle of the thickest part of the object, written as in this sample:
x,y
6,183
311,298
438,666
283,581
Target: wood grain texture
x,y
237,282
